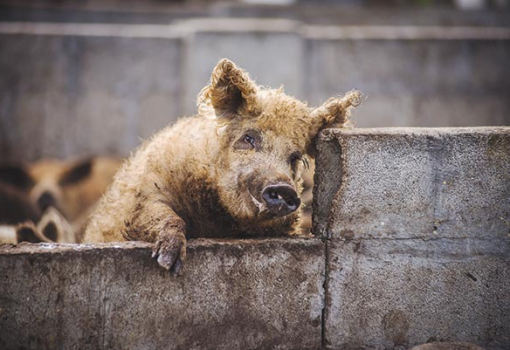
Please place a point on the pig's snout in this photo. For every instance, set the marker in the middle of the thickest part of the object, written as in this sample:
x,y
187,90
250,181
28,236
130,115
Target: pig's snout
x,y
46,200
281,199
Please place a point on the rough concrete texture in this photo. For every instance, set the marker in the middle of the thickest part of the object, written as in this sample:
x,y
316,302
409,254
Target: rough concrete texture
x,y
251,294
60,83
419,236
389,293
273,58
421,82
329,12
420,183
64,95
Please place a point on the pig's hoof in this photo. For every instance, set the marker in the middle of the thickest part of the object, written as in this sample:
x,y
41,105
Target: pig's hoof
x,y
170,252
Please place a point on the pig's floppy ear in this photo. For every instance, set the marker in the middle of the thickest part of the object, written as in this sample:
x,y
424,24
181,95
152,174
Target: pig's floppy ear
x,y
335,112
77,172
230,90
16,175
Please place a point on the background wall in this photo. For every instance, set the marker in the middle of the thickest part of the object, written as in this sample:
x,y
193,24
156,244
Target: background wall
x,y
97,77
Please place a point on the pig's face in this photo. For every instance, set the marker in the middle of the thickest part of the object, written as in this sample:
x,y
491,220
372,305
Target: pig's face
x,y
266,137
71,187
48,182
52,179
259,168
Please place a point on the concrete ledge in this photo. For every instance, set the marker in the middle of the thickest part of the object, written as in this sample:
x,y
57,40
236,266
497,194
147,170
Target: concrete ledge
x,y
250,294
418,223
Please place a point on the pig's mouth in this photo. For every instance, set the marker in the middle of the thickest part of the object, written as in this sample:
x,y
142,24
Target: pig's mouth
x,y
276,200
261,206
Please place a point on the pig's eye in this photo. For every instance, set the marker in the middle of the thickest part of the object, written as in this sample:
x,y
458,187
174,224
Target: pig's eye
x,y
249,140
294,158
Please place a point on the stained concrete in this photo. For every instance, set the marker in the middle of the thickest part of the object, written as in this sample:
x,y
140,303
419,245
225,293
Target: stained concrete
x,y
251,294
418,229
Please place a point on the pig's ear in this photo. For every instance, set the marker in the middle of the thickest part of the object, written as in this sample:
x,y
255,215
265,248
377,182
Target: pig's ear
x,y
77,172
229,91
335,112
16,175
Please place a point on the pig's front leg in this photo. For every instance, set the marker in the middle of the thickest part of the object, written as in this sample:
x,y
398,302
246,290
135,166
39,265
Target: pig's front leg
x,y
170,246
158,223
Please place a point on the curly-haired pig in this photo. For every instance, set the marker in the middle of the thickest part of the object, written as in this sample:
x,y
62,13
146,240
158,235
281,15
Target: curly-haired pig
x,y
233,170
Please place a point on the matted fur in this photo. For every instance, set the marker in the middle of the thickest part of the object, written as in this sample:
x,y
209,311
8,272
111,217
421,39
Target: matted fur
x,y
202,178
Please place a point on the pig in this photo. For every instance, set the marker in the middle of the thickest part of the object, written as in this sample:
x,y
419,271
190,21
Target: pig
x,y
15,206
232,170
51,228
72,187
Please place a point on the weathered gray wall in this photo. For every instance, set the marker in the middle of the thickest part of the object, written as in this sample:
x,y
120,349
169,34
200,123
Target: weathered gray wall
x,y
76,89
248,294
419,82
65,95
418,227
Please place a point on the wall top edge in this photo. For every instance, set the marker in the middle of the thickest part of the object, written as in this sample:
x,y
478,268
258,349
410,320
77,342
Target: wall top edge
x,y
41,248
416,131
181,29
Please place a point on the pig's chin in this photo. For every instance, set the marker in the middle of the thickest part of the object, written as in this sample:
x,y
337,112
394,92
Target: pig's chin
x,y
252,209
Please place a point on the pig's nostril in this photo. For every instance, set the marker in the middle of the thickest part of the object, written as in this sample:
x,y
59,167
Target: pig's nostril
x,y
281,200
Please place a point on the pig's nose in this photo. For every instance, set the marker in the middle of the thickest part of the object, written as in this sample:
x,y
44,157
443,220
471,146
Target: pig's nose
x,y
280,199
46,200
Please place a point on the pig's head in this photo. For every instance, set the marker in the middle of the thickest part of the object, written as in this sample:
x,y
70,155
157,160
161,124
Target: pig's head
x,y
266,137
50,183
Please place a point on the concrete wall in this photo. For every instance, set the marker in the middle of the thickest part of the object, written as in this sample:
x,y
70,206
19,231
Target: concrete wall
x,y
233,295
76,89
328,12
418,229
65,95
